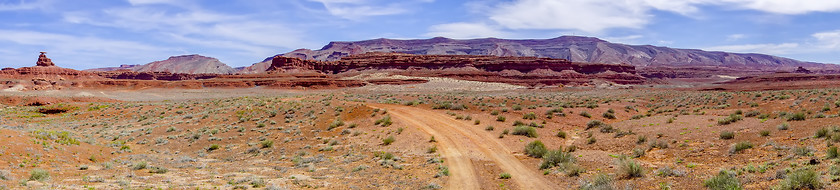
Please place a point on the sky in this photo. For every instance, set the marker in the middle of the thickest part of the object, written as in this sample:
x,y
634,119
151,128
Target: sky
x,y
83,34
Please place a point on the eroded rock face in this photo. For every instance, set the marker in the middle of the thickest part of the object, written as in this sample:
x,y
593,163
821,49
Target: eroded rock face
x,y
43,61
517,70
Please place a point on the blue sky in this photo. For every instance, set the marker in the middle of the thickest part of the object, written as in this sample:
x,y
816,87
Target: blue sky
x,y
98,33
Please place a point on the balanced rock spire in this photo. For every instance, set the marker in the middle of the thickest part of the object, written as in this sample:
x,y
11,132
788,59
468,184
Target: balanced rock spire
x,y
43,61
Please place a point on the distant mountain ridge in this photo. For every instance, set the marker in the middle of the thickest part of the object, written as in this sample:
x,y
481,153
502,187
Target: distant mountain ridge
x,y
573,48
187,64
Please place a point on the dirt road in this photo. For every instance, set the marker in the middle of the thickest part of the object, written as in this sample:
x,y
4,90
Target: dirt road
x,y
461,143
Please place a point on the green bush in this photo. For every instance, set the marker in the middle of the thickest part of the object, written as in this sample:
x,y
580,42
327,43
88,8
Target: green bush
x,y
800,179
388,140
799,116
609,115
335,124
500,118
594,123
556,157
783,126
530,116
628,168
39,175
730,119
832,152
535,149
140,165
561,134
591,140
598,182
266,144
725,135
724,180
489,128
822,132
504,176
213,147
158,170
764,133
525,131
385,121
586,114
738,147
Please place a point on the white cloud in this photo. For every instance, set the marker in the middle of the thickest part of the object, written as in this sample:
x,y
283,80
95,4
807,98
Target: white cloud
x,y
584,15
24,5
360,9
828,40
787,6
77,51
595,16
245,34
735,37
465,30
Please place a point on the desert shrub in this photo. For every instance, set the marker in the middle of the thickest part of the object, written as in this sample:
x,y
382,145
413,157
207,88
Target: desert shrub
x,y
637,153
500,118
752,113
385,121
800,179
535,149
586,114
730,119
738,147
832,152
591,140
725,135
822,132
561,134
213,147
598,182
504,176
555,110
525,131
39,175
783,126
140,165
608,115
518,123
477,122
489,128
388,140
556,157
629,168
494,112
641,139
594,123
432,149
335,124
724,180
764,133
530,116
658,144
266,144
158,170
635,117
802,151
450,106
799,116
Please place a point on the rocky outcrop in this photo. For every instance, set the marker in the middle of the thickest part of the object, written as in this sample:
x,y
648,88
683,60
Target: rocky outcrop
x,y
516,70
572,48
167,76
189,64
43,61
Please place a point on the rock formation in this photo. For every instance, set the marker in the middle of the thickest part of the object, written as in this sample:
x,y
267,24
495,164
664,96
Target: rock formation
x,y
43,61
572,48
515,70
